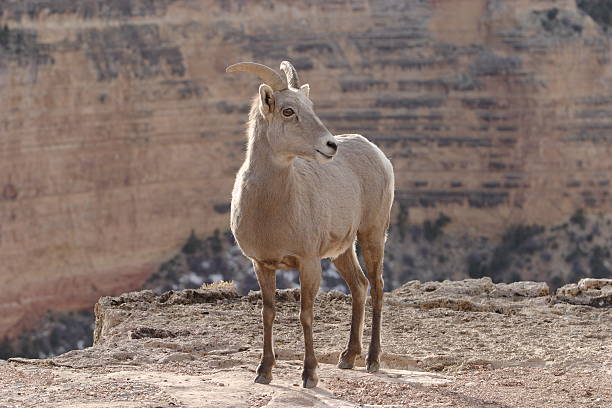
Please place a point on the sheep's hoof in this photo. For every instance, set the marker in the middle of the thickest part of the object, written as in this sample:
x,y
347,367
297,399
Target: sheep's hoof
x,y
373,367
260,379
347,359
345,365
310,382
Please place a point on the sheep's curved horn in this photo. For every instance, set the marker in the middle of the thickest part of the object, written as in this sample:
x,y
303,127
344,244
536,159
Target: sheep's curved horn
x,y
266,74
292,77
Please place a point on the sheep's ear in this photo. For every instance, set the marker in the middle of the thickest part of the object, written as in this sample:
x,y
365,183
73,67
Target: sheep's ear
x,y
267,99
305,89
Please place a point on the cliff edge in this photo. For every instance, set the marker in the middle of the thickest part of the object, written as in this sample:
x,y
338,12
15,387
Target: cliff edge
x,y
453,343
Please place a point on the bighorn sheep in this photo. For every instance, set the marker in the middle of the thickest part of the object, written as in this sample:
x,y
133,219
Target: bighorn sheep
x,y
303,194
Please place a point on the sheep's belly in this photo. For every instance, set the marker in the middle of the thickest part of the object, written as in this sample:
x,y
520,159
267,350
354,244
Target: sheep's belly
x,y
287,262
335,251
337,243
266,253
276,252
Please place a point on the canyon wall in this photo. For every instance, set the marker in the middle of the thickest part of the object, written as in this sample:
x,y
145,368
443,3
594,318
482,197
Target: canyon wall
x,y
120,132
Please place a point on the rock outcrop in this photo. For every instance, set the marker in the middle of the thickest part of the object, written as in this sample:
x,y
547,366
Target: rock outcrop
x,y
121,133
590,292
198,348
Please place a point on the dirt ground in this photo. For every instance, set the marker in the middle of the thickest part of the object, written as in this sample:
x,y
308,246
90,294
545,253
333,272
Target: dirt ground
x,y
454,344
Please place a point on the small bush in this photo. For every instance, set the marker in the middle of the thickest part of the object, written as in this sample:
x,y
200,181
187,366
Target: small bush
x,y
214,243
476,265
5,36
432,230
519,238
500,261
575,255
402,221
596,262
579,218
6,349
192,245
599,10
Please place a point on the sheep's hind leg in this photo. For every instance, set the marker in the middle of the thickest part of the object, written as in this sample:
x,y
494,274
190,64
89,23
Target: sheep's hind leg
x,y
267,282
349,269
310,277
373,248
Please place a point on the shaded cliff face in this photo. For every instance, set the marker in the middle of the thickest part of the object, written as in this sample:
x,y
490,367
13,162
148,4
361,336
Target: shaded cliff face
x,y
121,133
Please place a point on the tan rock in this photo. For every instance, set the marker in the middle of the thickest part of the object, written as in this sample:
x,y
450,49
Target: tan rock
x,y
524,289
590,283
591,292
206,353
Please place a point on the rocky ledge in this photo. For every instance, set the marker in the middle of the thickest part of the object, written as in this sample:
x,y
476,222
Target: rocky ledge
x,y
470,343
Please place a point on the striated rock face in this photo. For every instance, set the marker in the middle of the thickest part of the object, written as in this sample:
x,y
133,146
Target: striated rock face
x,y
121,133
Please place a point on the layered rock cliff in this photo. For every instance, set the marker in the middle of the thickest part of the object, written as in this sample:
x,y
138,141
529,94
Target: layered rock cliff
x,y
120,133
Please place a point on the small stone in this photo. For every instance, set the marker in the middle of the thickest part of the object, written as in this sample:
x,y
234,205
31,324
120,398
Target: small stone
x,y
590,283
523,289
588,291
175,357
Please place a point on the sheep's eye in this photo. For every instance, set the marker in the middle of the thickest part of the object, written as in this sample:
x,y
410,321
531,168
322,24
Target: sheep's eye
x,y
288,112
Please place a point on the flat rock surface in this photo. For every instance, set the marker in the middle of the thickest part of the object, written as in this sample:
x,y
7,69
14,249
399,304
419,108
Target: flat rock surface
x,y
200,349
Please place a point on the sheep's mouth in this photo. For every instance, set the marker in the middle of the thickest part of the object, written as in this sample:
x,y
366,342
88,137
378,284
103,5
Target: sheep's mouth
x,y
327,156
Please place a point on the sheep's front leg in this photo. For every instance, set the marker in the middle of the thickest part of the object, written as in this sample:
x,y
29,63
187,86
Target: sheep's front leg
x,y
310,277
267,282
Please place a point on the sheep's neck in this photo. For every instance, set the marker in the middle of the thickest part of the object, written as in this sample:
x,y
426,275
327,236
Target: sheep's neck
x,y
271,175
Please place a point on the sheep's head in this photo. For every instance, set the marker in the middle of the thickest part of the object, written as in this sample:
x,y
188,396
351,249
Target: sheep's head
x,y
294,129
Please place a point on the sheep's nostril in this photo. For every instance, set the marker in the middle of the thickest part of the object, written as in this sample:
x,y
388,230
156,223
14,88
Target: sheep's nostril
x,y
333,145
